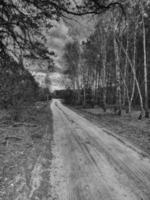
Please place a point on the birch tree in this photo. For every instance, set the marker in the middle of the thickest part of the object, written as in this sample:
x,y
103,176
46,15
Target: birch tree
x,y
145,61
72,58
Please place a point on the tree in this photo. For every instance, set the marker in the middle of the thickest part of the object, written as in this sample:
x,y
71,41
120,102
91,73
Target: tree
x,y
72,59
91,68
17,85
20,19
118,57
145,61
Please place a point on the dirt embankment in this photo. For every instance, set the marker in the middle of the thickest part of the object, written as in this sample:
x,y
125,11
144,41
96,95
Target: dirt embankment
x,y
25,154
126,126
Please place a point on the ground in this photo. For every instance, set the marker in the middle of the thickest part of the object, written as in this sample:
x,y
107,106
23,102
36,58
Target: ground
x,y
58,153
92,163
25,154
128,126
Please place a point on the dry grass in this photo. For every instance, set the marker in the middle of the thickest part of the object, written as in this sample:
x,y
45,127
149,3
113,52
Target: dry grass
x,y
126,126
21,143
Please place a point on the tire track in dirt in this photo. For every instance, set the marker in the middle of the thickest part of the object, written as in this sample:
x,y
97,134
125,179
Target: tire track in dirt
x,y
101,167
102,189
78,175
81,171
101,143
141,181
91,167
122,193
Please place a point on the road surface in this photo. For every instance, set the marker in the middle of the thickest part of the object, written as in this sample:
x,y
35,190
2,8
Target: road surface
x,y
90,164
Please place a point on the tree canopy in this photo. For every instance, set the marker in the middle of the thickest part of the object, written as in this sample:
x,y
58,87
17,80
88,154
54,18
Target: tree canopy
x,y
21,20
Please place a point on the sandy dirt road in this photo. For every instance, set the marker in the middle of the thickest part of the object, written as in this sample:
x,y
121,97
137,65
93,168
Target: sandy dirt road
x,y
90,164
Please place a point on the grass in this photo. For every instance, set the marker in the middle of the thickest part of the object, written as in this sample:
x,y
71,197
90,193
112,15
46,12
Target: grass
x,y
127,126
21,143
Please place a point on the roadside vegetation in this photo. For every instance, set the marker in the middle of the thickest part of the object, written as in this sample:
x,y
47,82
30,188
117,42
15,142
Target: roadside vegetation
x,y
109,69
109,72
25,148
126,127
25,131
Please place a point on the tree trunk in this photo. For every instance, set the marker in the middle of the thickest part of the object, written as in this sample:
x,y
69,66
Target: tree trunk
x,y
145,65
78,89
134,75
74,89
84,97
118,86
125,69
134,62
102,39
104,75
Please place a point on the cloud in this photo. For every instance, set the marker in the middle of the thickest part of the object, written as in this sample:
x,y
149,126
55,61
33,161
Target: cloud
x,y
64,31
60,30
57,38
61,33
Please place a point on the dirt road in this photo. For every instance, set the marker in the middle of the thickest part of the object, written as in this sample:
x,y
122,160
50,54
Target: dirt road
x,y
90,164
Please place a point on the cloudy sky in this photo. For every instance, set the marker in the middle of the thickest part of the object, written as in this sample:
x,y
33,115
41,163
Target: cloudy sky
x,y
58,36
61,33
67,30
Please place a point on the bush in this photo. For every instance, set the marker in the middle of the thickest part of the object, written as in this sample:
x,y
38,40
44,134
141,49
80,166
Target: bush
x,y
44,94
17,85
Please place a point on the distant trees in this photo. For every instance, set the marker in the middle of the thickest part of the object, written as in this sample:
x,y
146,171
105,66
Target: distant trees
x,y
72,59
21,36
17,85
21,24
110,67
114,60
21,21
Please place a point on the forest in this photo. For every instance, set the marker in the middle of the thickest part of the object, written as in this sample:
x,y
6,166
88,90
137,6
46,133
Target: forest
x,y
89,137
22,39
110,68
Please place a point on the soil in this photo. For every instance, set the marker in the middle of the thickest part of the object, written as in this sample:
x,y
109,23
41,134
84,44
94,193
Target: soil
x,y
127,126
25,153
89,163
66,155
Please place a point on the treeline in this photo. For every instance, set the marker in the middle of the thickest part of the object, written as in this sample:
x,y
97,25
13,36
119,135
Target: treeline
x,y
17,85
112,66
21,34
